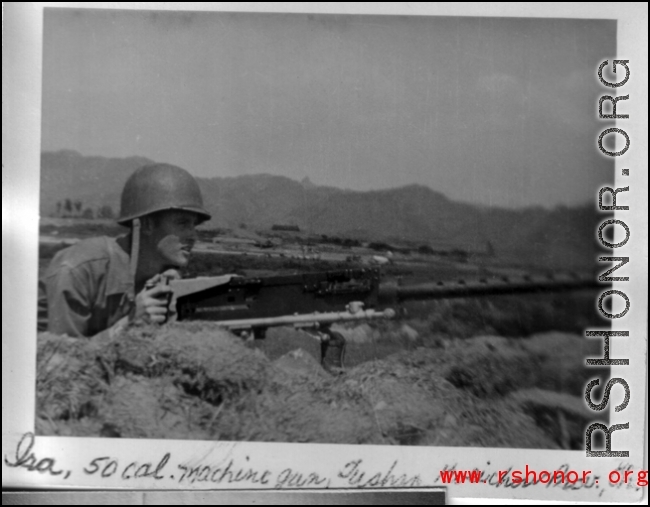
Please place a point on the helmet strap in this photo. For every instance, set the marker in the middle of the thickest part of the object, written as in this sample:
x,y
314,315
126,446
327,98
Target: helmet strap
x,y
135,248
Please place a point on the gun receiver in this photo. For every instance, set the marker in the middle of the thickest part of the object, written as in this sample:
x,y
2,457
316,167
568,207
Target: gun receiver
x,y
236,298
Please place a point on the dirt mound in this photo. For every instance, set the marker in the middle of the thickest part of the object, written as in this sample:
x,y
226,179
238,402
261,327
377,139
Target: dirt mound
x,y
197,381
298,408
146,372
362,333
416,405
492,366
201,358
300,361
561,414
152,408
69,379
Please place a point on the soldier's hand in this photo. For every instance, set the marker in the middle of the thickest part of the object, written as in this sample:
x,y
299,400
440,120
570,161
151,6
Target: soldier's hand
x,y
171,274
151,304
156,302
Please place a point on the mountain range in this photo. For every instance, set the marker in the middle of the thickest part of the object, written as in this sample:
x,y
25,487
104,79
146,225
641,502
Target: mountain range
x,y
563,236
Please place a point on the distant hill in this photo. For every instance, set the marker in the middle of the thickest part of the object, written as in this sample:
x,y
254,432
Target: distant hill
x,y
95,181
559,237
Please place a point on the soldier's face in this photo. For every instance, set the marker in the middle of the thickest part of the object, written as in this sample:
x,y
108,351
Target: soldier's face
x,y
173,235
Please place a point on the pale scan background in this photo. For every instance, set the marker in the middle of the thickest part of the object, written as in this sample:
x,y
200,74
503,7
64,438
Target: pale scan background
x,y
21,148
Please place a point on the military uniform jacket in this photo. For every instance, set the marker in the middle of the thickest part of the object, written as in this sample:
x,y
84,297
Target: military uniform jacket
x,y
87,288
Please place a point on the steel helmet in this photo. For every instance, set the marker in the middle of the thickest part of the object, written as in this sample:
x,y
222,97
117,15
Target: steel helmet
x,y
158,187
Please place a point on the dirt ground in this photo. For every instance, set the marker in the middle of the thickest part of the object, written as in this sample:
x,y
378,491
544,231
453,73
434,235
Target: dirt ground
x,y
191,380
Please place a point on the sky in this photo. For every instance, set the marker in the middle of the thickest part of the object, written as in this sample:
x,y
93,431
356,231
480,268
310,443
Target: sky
x,y
492,111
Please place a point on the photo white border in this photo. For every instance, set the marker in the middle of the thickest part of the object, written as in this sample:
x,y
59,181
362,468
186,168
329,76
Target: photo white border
x,y
22,66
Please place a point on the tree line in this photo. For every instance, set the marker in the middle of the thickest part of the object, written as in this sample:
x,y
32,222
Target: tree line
x,y
69,208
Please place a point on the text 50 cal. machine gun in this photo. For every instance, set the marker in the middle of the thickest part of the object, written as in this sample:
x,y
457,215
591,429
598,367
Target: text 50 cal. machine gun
x,y
248,306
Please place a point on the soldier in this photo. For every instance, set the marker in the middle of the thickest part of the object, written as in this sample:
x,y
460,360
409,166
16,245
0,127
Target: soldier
x,y
99,285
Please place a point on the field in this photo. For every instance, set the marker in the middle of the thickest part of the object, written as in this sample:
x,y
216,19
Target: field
x,y
495,371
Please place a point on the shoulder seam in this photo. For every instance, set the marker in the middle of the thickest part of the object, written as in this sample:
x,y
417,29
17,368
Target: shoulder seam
x,y
73,264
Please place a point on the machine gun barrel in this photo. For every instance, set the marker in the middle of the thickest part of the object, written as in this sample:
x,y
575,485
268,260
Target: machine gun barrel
x,y
271,300
484,287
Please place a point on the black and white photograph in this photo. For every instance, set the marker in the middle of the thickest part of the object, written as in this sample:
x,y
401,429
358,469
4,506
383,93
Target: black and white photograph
x,y
379,233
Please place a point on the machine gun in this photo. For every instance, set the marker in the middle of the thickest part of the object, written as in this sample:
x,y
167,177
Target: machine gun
x,y
248,306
